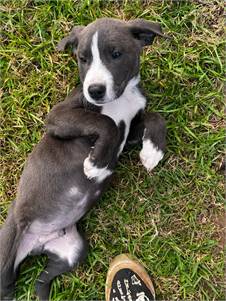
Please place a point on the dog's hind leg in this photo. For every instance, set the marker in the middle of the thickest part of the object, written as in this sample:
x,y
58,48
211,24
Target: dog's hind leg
x,y
64,252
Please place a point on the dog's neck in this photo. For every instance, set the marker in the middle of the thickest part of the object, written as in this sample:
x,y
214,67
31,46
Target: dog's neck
x,y
124,108
130,86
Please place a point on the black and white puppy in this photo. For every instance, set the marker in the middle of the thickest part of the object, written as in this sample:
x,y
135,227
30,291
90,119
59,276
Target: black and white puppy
x,y
70,167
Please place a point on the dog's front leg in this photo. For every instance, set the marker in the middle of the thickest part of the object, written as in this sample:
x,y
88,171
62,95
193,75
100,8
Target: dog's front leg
x,y
150,130
154,140
102,156
67,122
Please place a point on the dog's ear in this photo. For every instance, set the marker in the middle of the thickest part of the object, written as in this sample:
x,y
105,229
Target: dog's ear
x,y
145,31
71,40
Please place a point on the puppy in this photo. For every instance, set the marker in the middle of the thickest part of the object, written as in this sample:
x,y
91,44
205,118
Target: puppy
x,y
71,166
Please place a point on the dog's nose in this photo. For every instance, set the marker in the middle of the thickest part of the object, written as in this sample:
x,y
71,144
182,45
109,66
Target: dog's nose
x,y
97,91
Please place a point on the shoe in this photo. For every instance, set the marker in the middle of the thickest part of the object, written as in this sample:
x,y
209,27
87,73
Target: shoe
x,y
127,280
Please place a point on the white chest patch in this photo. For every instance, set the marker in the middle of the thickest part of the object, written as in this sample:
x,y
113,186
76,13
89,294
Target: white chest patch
x,y
125,107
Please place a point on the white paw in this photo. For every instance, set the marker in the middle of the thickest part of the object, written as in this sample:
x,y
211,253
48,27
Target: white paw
x,y
91,171
150,155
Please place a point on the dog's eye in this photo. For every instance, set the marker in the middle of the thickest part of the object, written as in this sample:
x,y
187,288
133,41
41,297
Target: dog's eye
x,y
116,54
83,59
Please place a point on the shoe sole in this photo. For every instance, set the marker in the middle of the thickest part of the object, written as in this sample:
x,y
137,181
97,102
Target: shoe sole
x,y
125,261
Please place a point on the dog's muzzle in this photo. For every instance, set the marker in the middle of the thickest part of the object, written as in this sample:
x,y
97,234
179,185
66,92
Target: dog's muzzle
x,y
97,91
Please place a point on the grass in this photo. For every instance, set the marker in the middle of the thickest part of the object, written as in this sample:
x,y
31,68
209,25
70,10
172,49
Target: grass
x,y
172,219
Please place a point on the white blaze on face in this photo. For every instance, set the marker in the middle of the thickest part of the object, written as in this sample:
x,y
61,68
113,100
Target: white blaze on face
x,y
98,74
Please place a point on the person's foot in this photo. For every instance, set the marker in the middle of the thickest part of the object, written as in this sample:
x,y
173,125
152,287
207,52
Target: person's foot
x,y
127,280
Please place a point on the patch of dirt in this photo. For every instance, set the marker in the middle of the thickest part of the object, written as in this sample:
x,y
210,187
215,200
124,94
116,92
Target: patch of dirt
x,y
220,233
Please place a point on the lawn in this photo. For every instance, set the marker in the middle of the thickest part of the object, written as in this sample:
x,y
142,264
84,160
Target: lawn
x,y
171,219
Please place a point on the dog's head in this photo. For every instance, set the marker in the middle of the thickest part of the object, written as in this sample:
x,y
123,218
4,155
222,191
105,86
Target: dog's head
x,y
108,52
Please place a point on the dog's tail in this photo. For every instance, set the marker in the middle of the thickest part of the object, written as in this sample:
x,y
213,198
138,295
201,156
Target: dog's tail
x,y
10,236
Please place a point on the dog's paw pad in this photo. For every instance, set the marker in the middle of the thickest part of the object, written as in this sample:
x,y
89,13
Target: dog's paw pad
x,y
150,155
93,172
